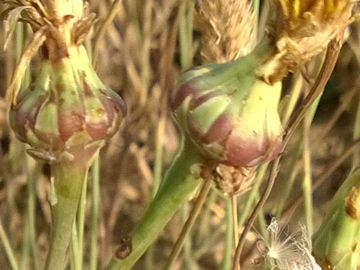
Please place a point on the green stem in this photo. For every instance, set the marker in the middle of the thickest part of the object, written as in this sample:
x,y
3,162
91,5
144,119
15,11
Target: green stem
x,y
229,240
8,250
68,184
179,184
81,224
74,249
185,34
307,179
356,135
31,170
94,214
25,256
253,194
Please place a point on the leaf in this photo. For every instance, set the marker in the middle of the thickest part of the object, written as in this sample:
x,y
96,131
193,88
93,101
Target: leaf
x,y
12,18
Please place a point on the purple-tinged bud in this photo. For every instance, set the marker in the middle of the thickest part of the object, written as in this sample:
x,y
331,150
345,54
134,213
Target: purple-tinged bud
x,y
229,113
66,110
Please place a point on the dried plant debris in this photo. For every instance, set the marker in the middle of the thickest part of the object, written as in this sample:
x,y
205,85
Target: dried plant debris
x,y
303,29
227,29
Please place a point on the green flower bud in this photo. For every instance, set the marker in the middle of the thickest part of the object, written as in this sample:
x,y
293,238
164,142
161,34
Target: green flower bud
x,y
229,113
336,245
67,109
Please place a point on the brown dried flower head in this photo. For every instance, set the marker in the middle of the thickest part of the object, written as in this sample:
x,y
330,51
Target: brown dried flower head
x,y
226,28
306,27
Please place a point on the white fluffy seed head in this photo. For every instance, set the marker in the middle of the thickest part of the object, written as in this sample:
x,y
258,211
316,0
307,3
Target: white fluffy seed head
x,y
287,251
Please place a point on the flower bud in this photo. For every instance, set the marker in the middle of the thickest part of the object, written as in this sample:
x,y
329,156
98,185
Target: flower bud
x,y
67,109
229,113
337,242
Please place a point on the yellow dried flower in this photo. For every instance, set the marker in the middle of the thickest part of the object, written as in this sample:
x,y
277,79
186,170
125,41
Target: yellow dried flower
x,y
322,10
304,28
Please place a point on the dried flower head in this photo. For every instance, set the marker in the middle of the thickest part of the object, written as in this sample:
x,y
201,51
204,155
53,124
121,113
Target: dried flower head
x,y
284,251
303,29
226,28
233,181
57,26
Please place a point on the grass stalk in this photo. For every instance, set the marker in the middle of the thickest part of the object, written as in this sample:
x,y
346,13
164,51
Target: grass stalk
x,y
204,220
186,13
25,250
7,247
356,135
258,207
31,174
102,30
234,215
331,168
74,249
189,223
229,238
95,172
252,194
81,224
307,179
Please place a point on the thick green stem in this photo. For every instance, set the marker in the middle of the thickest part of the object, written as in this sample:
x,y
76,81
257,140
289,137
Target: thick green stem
x,y
179,184
68,183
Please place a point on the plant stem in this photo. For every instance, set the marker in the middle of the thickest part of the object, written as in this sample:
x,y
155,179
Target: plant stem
x,y
158,165
186,33
259,205
179,184
31,170
234,214
94,214
204,220
229,240
356,135
68,184
8,250
74,249
320,179
189,223
307,180
80,224
253,194
337,241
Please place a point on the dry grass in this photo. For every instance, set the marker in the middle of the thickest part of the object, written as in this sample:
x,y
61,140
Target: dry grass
x,y
226,29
